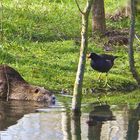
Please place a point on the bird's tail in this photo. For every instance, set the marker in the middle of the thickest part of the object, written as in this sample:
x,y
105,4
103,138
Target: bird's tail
x,y
116,57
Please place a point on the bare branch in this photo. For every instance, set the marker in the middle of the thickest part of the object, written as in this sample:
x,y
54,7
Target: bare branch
x,y
88,7
79,7
1,26
137,38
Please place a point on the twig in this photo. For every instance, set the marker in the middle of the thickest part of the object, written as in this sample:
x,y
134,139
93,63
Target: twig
x,y
1,15
8,90
137,37
79,7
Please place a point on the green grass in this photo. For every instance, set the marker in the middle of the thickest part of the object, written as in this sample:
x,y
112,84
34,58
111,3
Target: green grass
x,y
130,98
38,41
40,21
54,66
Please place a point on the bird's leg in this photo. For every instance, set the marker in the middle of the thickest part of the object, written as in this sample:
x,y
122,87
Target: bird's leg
x,y
98,100
99,77
106,81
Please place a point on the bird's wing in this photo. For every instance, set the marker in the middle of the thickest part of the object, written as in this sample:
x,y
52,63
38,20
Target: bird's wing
x,y
107,57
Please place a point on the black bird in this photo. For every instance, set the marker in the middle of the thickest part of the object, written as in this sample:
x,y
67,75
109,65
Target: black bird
x,y
102,63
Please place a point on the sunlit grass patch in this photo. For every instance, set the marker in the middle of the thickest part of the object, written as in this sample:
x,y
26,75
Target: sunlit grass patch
x,y
39,42
113,98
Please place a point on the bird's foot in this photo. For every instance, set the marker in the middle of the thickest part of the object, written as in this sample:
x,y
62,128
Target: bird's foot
x,y
98,100
99,80
107,85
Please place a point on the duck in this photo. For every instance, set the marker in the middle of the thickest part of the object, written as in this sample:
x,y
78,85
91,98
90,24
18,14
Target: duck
x,y
101,63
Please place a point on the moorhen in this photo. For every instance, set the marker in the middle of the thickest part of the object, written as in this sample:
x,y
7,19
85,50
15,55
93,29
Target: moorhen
x,y
102,63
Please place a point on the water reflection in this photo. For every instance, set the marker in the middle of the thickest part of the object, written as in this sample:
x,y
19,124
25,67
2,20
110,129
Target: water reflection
x,y
57,123
97,116
133,124
66,125
76,127
12,111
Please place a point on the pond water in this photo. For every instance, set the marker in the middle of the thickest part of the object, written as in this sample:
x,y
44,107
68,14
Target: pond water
x,y
33,121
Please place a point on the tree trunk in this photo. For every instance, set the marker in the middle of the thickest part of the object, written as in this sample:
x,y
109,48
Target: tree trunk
x,y
131,40
98,16
77,93
1,24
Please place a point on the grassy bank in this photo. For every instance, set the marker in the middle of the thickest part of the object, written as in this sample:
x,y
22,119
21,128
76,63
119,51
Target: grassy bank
x,y
114,98
54,65
38,41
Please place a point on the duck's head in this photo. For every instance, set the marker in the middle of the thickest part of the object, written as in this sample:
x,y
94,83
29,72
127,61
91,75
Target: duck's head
x,y
92,55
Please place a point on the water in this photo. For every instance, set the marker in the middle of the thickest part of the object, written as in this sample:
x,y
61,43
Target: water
x,y
32,121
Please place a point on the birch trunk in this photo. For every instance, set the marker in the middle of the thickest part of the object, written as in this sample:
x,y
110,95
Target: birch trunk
x,y
77,92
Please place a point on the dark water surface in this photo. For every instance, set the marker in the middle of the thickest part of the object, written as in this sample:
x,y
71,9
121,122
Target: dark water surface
x,y
20,121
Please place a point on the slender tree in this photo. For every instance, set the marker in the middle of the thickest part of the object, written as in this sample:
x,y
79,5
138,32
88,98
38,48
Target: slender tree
x,y
77,93
1,21
98,16
131,40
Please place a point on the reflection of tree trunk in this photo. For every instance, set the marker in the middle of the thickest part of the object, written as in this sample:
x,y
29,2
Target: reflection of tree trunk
x,y
66,125
131,51
98,20
76,127
133,124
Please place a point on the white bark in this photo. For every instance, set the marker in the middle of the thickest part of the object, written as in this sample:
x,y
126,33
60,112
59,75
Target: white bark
x,y
77,93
